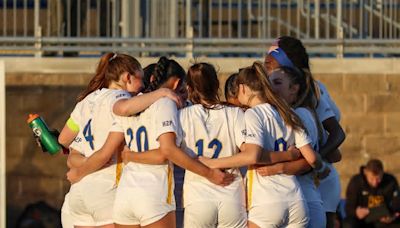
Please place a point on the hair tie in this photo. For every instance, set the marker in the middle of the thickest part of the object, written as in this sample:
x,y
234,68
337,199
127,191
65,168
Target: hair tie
x,y
113,57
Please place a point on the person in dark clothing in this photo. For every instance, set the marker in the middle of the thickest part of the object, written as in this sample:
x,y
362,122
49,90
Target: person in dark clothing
x,y
372,198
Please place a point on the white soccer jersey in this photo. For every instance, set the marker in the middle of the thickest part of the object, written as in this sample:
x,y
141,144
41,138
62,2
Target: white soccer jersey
x,y
91,199
265,127
330,186
96,119
306,181
212,133
141,183
327,98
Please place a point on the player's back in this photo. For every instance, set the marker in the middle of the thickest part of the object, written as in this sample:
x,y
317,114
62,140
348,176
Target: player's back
x,y
95,118
141,134
266,128
214,133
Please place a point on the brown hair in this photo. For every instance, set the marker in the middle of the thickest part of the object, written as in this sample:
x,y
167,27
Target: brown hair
x,y
109,69
375,166
255,78
304,97
230,86
203,83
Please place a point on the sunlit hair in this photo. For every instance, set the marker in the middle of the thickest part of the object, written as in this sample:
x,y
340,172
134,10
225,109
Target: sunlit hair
x,y
296,77
255,77
203,84
110,68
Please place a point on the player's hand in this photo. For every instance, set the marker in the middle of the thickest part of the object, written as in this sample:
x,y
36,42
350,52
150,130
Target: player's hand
x,y
206,161
362,212
218,177
387,219
73,175
172,95
265,170
125,155
294,153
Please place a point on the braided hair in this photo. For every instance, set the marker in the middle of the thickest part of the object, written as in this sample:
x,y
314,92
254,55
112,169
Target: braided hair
x,y
164,70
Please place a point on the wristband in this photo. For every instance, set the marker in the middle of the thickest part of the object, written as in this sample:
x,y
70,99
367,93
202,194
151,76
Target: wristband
x,y
323,167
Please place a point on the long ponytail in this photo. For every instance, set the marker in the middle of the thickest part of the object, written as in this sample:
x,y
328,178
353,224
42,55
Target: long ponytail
x,y
110,68
255,77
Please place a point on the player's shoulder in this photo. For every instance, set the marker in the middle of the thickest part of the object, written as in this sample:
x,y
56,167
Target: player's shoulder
x,y
164,101
262,110
303,112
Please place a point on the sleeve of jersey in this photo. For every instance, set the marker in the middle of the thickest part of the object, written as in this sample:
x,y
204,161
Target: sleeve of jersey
x,y
76,114
240,128
116,125
305,119
167,119
323,110
328,100
301,138
254,128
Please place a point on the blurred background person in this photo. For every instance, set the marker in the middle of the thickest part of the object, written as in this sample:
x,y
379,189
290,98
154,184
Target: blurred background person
x,y
372,198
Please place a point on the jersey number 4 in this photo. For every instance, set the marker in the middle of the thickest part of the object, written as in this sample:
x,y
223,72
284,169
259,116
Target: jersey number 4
x,y
87,132
141,133
214,143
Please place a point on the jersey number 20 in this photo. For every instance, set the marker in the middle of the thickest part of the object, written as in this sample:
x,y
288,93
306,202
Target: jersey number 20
x,y
141,131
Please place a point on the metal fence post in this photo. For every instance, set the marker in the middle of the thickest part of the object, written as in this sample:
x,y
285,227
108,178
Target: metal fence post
x,y
316,14
189,29
339,29
38,29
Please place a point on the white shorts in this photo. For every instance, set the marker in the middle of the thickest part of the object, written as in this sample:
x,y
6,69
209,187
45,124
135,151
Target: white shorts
x,y
135,209
330,190
204,214
91,199
66,218
278,214
316,215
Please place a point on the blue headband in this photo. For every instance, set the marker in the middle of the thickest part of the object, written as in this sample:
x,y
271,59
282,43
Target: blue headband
x,y
280,56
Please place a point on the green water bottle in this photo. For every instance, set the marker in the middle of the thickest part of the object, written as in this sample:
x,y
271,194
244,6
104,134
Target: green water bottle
x,y
40,129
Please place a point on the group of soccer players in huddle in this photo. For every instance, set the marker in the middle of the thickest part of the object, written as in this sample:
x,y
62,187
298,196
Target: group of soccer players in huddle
x,y
263,158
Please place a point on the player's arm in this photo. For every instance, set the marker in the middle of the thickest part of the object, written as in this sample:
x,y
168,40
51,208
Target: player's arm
x,y
68,133
297,167
169,149
114,143
335,138
250,154
75,159
134,105
151,157
333,157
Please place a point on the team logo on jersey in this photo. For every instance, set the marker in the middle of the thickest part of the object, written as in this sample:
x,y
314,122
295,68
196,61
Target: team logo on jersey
x,y
121,95
78,139
167,123
244,132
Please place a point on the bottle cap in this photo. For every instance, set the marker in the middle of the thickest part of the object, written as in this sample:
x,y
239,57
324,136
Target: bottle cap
x,y
31,117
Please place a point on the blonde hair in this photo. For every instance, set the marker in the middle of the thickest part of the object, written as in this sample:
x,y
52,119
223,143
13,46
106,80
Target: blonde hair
x,y
255,77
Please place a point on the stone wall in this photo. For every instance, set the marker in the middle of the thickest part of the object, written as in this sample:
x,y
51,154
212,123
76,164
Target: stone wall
x,y
369,103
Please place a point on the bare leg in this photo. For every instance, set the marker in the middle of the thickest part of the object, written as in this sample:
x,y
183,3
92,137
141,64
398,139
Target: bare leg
x,y
252,225
168,221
